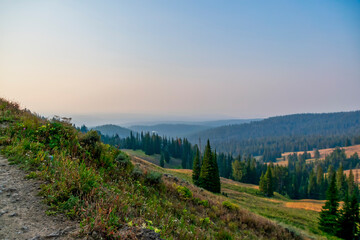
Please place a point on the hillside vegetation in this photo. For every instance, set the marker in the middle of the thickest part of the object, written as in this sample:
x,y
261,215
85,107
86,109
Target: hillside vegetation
x,y
301,216
100,187
273,136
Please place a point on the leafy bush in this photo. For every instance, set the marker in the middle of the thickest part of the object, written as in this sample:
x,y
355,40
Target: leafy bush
x,y
90,138
88,179
184,192
137,172
153,178
229,205
223,235
124,162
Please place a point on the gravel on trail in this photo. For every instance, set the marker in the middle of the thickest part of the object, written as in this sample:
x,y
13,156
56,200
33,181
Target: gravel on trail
x,y
22,211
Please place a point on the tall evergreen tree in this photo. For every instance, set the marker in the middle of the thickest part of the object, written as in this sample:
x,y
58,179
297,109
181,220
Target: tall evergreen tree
x,y
349,218
196,167
316,154
312,187
329,213
209,171
266,183
262,183
237,172
162,160
216,178
269,187
351,183
340,182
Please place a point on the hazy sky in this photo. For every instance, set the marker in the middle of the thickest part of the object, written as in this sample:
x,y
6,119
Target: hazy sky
x,y
180,59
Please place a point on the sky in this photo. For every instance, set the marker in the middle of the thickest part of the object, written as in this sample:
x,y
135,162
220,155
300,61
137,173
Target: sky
x,y
123,61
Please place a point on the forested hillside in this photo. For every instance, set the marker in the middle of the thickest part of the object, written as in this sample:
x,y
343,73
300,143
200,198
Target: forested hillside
x,y
185,129
298,132
110,130
171,130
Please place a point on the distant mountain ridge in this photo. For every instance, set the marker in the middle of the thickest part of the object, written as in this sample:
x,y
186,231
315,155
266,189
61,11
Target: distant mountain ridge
x,y
111,129
171,130
185,129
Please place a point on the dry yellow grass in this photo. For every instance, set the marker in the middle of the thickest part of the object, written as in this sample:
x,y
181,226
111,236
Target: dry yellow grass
x,y
232,182
307,204
186,171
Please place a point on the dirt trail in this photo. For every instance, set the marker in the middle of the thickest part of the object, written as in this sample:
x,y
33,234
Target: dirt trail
x,y
22,213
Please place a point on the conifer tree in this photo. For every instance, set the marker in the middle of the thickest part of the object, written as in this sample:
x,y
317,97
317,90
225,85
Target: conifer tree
x,y
196,167
162,160
266,183
167,156
312,187
349,218
320,183
340,182
269,187
236,170
351,183
329,213
262,183
216,180
316,154
209,171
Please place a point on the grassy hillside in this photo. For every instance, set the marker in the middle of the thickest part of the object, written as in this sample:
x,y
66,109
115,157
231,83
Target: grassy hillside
x,y
110,130
100,187
173,163
301,216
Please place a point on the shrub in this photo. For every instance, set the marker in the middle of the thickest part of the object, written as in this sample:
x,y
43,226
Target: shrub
x,y
229,205
223,235
153,178
204,203
88,179
184,192
205,221
124,162
137,172
90,138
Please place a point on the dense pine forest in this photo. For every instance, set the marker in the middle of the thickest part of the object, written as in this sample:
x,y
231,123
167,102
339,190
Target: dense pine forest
x,y
299,132
155,144
298,180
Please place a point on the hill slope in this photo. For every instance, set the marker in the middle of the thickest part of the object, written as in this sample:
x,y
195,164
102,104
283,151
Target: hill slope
x,y
97,185
299,215
110,130
285,133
